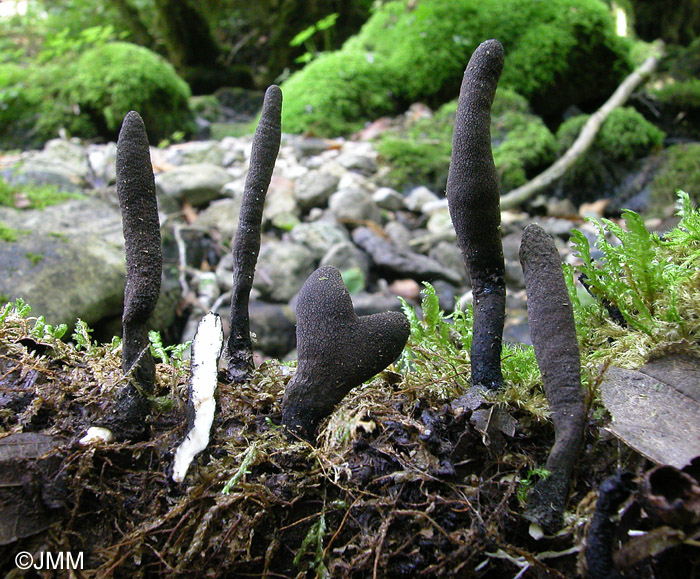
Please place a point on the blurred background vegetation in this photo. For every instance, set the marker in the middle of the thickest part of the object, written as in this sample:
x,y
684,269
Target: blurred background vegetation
x,y
79,65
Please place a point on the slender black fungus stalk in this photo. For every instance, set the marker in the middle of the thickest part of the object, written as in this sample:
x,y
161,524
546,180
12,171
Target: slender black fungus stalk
x,y
472,192
246,245
600,541
553,332
144,265
337,350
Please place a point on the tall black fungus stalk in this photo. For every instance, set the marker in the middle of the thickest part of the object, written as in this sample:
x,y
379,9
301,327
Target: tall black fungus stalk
x,y
246,245
337,350
472,192
553,332
144,264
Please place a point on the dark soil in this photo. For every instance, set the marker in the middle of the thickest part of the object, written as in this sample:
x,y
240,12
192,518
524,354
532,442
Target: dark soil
x,y
400,484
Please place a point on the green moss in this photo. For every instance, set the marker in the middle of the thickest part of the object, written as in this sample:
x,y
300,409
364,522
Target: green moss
x,y
33,196
90,96
206,106
681,95
558,53
34,258
7,233
421,155
625,135
680,170
336,93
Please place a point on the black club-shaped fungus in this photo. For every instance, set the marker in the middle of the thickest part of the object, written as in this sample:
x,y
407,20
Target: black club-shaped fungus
x,y
337,350
472,193
246,244
553,332
144,265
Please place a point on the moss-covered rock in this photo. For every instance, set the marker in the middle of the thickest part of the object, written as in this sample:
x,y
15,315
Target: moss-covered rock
x,y
558,53
522,145
624,137
680,170
90,96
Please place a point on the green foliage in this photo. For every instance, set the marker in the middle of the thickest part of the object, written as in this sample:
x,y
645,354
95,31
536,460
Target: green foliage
x,y
354,280
560,53
305,37
33,196
41,330
64,42
173,355
19,308
314,541
7,233
529,481
249,457
437,355
652,281
81,336
522,143
681,169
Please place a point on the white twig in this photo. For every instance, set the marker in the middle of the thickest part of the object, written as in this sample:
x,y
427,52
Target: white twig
x,y
586,136
206,349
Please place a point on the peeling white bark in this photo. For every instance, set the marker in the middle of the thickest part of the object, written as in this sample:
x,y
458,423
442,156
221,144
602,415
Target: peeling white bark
x,y
206,349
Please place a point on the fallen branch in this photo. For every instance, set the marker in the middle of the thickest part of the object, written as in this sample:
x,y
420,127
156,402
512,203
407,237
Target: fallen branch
x,y
587,134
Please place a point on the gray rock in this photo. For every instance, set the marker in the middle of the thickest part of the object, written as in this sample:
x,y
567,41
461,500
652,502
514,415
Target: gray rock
x,y
400,262
450,257
274,326
418,197
389,199
221,215
397,233
280,205
358,163
354,205
198,184
196,152
282,269
346,255
67,261
314,188
366,304
440,224
310,147
102,160
61,163
319,236
511,249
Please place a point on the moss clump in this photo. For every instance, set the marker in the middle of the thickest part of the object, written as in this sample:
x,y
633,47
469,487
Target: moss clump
x,y
558,53
89,96
9,234
681,170
337,93
33,196
624,137
522,145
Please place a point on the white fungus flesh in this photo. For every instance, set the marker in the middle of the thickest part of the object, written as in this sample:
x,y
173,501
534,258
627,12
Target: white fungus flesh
x,y
206,349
